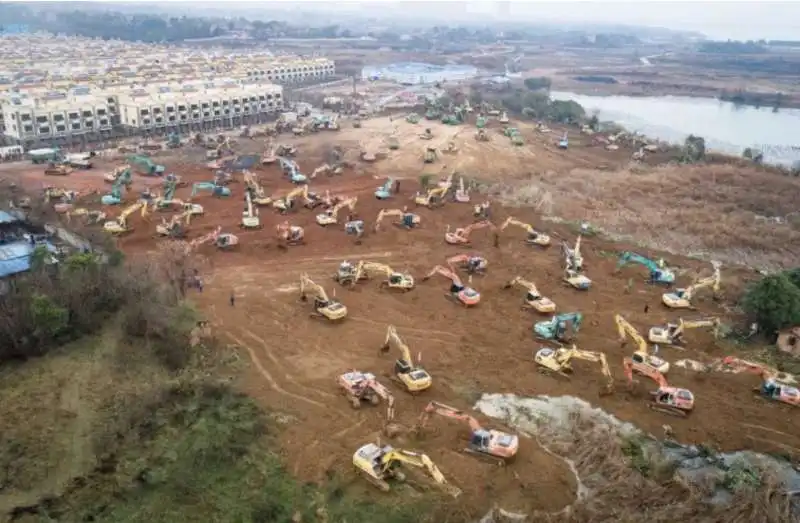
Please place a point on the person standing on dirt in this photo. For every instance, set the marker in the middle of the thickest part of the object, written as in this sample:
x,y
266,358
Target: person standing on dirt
x,y
397,187
233,299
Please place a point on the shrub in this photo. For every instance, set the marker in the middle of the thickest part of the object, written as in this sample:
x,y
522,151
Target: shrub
x,y
773,302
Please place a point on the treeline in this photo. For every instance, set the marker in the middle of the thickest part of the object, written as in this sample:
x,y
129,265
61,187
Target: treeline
x,y
734,47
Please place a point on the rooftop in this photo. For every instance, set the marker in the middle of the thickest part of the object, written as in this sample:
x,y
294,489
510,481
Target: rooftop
x,y
16,257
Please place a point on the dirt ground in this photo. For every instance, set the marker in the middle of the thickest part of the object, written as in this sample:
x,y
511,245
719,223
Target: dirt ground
x,y
296,359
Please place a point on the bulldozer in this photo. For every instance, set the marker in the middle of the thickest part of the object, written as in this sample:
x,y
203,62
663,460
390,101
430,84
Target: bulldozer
x,y
363,386
413,378
382,464
57,170
461,235
349,274
558,362
682,298
324,307
493,445
408,220
533,299
462,294
534,237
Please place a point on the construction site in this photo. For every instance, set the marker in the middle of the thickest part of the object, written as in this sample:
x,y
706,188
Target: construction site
x,y
380,273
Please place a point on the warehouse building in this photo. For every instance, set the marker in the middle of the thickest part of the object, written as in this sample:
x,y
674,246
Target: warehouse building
x,y
413,73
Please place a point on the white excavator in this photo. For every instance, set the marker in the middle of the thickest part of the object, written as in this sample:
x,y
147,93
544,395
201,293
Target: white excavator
x,y
257,193
92,217
643,362
324,307
349,274
464,295
331,216
408,220
250,219
289,234
533,298
682,298
573,267
461,235
558,362
534,237
462,193
672,333
120,224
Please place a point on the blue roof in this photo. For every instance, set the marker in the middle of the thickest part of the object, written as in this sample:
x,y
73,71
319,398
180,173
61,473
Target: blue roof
x,y
16,257
8,217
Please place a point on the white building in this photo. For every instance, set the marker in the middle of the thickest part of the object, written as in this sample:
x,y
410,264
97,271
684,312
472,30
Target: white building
x,y
31,120
413,73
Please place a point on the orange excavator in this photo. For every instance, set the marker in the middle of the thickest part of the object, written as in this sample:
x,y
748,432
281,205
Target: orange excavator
x,y
669,400
466,296
494,445
472,263
772,388
460,236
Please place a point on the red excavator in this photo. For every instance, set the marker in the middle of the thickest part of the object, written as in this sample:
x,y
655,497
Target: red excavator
x,y
669,400
466,296
772,388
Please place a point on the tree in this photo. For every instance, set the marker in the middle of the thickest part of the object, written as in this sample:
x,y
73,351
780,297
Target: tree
x,y
773,302
694,149
49,318
537,83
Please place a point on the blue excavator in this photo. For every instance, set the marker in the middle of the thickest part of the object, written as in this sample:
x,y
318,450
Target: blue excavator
x,y
659,273
559,327
123,180
291,170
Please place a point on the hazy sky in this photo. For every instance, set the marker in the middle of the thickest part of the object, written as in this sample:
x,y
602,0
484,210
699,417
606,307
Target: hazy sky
x,y
717,19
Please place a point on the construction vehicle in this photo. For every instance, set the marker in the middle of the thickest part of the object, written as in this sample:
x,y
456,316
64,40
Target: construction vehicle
x,y
269,157
669,400
643,362
363,386
427,135
558,362
92,217
517,140
462,193
493,445
216,190
480,122
173,228
433,197
381,464
560,327
461,235
682,298
257,194
116,173
466,296
331,216
430,155
573,258
173,141
122,181
324,307
250,219
412,118
57,170
289,234
385,191
577,280
775,385
659,273
482,135
352,274
564,142
120,225
413,378
534,237
286,203
144,165
480,211
291,170
503,118
407,220
222,241
533,299
672,333
472,263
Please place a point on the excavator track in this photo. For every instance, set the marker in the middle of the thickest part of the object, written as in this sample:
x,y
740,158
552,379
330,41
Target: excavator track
x,y
553,374
672,411
500,462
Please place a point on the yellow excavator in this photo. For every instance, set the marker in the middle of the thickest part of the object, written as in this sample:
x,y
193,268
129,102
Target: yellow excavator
x,y
286,203
172,228
257,193
558,362
672,333
682,298
363,386
331,216
460,236
414,379
120,225
352,274
533,299
381,464
324,307
92,217
434,197
573,267
643,362
408,220
534,237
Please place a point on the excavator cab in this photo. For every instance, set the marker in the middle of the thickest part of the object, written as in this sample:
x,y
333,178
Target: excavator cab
x,y
673,401
642,362
777,391
414,379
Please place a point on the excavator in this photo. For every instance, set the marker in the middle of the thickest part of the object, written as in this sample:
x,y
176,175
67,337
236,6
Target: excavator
x,y
291,170
772,387
559,327
57,170
472,263
331,216
493,445
659,273
669,400
682,298
363,386
573,270
460,236
534,237
250,219
92,217
286,204
643,362
122,181
533,299
324,307
114,175
414,379
672,333
432,198
222,241
408,220
257,193
216,190
558,362
352,274
462,193
173,228
120,225
384,192
466,296
381,464
290,234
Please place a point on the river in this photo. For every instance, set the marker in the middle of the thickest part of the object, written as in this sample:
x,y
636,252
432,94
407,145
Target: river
x,y
725,126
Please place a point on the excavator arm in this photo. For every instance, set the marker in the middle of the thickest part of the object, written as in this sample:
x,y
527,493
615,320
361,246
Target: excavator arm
x,y
653,374
626,330
392,338
387,396
385,213
712,281
308,286
525,284
447,273
597,357
513,221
